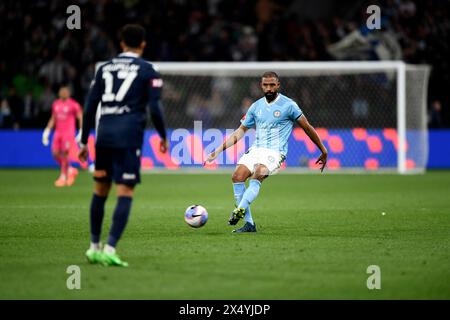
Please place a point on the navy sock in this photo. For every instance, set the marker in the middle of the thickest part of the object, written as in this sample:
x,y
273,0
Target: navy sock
x,y
120,218
97,212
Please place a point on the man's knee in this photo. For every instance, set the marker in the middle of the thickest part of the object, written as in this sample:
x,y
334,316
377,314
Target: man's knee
x,y
102,188
60,154
238,177
261,172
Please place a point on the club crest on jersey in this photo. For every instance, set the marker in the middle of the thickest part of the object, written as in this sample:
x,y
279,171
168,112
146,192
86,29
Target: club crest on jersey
x,y
277,113
271,159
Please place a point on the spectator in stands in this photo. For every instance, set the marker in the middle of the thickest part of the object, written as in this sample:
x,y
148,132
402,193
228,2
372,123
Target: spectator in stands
x,y
30,110
45,105
5,114
39,44
56,71
15,105
435,119
245,104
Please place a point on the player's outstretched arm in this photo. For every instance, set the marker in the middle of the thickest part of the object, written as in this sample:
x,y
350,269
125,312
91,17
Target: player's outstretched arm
x,y
47,130
232,140
312,134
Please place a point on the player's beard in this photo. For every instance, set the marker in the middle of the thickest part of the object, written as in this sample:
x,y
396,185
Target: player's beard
x,y
270,96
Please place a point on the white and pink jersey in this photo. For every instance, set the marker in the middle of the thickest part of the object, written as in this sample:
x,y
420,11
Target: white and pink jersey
x,y
65,115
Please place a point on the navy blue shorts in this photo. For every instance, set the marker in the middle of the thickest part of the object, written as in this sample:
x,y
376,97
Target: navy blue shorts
x,y
121,165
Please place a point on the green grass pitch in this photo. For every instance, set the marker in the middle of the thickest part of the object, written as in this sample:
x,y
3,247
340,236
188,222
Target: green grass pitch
x,y
317,234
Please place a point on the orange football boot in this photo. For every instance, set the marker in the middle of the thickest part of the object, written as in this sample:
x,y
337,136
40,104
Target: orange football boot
x,y
61,182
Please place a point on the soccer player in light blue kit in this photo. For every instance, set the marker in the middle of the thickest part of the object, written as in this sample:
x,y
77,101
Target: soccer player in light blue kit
x,y
273,116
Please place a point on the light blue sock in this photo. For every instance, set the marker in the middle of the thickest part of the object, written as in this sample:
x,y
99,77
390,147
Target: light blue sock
x,y
250,195
239,190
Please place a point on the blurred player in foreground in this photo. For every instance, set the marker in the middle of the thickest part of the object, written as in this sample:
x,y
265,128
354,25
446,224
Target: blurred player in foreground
x,y
273,116
124,87
65,111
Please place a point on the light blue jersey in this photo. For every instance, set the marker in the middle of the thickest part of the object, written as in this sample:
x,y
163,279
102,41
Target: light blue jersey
x,y
273,122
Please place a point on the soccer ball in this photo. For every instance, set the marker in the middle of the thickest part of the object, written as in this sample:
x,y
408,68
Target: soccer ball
x,y
196,216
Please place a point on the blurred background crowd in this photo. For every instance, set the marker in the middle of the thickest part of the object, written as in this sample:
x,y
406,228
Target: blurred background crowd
x,y
39,53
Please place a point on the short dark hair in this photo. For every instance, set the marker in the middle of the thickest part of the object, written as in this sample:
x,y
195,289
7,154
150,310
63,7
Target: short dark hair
x,y
270,74
132,35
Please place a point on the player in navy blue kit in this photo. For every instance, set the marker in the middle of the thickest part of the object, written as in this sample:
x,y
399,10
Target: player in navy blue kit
x,y
123,88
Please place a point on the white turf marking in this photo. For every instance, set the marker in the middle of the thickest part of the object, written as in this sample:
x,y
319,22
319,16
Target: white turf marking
x,y
65,207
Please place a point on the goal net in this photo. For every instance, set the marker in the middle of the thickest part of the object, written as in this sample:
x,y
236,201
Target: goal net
x,y
370,115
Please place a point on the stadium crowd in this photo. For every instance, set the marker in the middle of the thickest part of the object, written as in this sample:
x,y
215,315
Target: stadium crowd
x,y
39,53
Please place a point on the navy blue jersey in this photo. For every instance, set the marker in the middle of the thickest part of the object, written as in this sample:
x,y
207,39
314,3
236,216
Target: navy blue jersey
x,y
122,89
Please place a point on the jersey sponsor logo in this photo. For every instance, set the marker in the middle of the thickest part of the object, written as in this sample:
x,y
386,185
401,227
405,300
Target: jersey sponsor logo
x,y
128,176
114,110
277,113
157,83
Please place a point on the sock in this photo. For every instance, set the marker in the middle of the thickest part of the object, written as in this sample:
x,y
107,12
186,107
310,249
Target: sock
x,y
120,218
109,249
64,166
58,160
95,246
96,215
250,194
239,190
